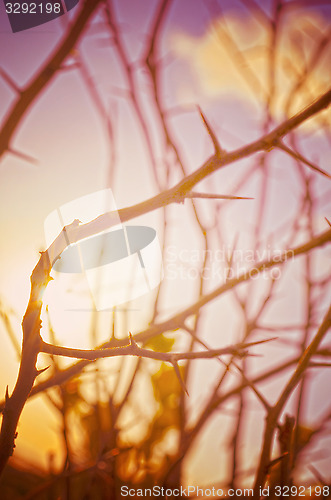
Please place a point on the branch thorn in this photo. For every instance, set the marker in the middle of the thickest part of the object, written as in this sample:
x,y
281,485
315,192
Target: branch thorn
x,y
39,372
181,381
132,341
7,395
217,146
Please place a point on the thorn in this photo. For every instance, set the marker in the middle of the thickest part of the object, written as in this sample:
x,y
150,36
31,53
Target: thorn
x,y
301,158
181,381
218,149
327,220
7,395
194,194
23,156
257,342
39,372
7,78
318,475
132,341
274,462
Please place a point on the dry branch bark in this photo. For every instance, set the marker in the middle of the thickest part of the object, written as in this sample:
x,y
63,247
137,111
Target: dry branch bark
x,y
32,343
32,315
132,349
32,91
178,193
27,374
274,412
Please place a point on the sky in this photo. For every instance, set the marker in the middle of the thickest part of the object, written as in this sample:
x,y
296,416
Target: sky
x,y
65,134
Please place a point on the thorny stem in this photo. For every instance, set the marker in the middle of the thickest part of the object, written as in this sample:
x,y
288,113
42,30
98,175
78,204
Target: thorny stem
x,y
27,374
40,277
178,193
134,350
33,344
273,414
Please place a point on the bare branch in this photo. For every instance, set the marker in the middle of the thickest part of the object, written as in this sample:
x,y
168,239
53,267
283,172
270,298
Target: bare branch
x,y
29,94
179,191
274,413
134,350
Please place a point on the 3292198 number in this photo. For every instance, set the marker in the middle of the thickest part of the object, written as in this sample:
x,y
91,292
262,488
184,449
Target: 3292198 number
x,y
33,8
301,491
